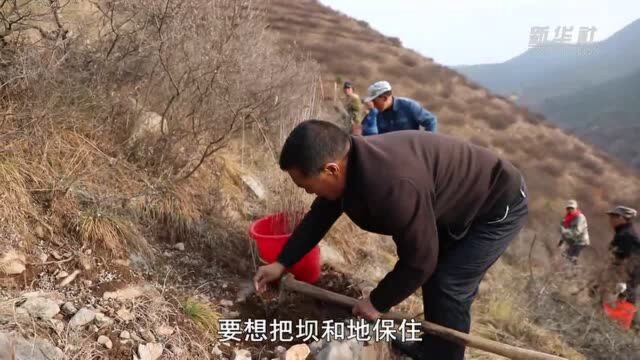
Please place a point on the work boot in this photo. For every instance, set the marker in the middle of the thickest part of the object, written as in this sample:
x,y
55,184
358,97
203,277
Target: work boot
x,y
412,349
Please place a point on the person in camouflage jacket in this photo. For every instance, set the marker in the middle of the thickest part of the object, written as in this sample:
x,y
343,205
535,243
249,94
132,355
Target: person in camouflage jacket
x,y
352,110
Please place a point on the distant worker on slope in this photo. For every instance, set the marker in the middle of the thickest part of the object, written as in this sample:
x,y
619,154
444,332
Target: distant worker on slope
x,y
352,110
452,209
574,231
625,247
398,113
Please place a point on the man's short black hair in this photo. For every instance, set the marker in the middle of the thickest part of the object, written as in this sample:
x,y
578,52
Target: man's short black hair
x,y
347,85
312,144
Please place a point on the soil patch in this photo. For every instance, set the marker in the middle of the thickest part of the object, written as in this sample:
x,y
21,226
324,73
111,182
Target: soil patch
x,y
293,307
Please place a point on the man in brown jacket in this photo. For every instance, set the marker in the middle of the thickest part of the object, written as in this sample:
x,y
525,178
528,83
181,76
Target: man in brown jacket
x,y
451,207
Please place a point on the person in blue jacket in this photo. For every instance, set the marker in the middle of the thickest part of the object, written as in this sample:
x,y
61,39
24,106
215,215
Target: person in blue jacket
x,y
370,122
398,113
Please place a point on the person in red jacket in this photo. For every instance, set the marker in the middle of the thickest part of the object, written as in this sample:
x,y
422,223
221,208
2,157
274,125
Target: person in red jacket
x,y
451,207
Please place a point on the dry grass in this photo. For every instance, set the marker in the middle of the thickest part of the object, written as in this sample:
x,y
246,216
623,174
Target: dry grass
x,y
16,206
111,233
173,209
201,313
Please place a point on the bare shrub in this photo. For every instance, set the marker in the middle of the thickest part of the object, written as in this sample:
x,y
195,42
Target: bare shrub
x,y
592,165
499,120
434,105
552,168
534,118
408,60
364,24
455,105
394,71
453,119
480,112
505,143
424,95
18,17
447,89
428,74
206,67
394,41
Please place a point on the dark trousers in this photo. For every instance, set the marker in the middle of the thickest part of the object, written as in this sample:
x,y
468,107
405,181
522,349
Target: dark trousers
x,y
448,294
573,252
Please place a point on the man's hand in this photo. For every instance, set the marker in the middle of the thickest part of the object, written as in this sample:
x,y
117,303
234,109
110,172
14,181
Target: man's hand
x,y
267,274
369,105
365,309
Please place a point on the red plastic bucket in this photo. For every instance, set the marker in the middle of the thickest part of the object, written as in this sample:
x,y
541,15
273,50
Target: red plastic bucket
x,y
270,234
622,312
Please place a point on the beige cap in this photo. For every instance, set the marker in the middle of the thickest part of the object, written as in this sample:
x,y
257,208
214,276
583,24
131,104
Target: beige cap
x,y
624,211
572,204
376,89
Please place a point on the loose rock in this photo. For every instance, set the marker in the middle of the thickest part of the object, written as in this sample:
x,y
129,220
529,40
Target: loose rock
x,y
49,351
39,231
67,280
43,258
216,350
164,330
82,318
297,352
17,348
227,303
129,293
102,320
62,274
13,263
329,255
151,351
41,308
124,315
105,341
125,335
85,262
337,350
255,186
57,325
179,246
147,336
241,354
69,309
136,338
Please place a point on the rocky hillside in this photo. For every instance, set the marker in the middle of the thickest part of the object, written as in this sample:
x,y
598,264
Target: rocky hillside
x,y
557,165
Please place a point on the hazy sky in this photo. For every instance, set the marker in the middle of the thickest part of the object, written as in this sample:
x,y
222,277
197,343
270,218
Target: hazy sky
x,y
456,32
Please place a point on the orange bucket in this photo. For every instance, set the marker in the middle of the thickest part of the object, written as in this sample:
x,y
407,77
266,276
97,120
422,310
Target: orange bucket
x,y
622,312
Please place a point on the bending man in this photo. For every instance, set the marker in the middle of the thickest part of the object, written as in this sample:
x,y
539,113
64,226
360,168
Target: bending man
x,y
452,209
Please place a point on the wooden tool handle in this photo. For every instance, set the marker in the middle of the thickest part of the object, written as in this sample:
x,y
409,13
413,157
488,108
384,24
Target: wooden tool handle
x,y
512,352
